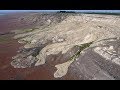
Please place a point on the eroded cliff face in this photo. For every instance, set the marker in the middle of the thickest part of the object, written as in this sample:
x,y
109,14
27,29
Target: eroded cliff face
x,y
76,37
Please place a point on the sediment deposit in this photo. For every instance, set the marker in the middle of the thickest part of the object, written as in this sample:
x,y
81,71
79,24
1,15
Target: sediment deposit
x,y
67,34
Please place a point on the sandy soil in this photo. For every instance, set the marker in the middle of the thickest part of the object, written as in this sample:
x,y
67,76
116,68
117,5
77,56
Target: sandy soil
x,y
9,49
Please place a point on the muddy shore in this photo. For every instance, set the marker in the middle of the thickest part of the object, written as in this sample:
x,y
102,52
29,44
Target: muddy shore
x,y
9,49
7,72
59,46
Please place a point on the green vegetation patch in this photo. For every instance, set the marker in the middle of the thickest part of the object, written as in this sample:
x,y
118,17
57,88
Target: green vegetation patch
x,y
21,31
4,38
30,30
81,48
27,30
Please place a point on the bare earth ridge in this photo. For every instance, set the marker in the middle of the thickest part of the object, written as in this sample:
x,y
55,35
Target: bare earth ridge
x,y
72,46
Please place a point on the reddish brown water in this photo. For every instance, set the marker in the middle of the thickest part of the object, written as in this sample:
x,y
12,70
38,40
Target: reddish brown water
x,y
7,72
9,49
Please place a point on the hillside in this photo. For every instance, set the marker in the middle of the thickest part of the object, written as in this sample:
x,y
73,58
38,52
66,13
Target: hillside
x,y
81,46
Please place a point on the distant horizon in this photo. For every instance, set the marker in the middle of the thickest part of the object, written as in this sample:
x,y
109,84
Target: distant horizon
x,y
85,11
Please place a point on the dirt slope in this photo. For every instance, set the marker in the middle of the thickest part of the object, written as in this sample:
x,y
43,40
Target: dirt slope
x,y
63,36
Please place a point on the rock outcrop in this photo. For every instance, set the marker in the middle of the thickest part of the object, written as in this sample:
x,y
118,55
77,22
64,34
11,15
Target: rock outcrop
x,y
62,33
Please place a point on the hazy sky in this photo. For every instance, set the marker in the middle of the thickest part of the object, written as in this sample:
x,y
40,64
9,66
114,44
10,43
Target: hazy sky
x,y
13,11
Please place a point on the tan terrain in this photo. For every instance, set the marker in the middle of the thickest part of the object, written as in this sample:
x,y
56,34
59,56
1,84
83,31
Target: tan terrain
x,y
71,46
